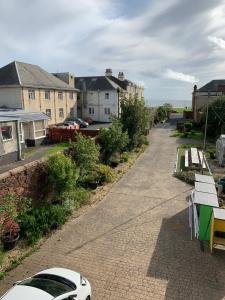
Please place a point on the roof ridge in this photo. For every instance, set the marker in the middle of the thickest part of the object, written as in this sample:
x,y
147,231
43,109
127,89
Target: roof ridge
x,y
17,72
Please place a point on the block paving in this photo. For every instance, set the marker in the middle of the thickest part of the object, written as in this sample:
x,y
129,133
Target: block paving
x,y
135,244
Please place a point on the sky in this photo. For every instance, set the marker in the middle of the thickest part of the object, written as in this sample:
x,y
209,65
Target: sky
x,y
167,46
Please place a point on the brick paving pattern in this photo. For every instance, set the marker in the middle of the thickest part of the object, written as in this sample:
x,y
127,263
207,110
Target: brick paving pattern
x,y
135,244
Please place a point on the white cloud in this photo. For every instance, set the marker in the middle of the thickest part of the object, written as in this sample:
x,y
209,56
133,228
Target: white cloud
x,y
217,41
171,74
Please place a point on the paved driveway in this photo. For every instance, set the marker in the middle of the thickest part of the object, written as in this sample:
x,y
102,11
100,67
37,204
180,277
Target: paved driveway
x,y
135,244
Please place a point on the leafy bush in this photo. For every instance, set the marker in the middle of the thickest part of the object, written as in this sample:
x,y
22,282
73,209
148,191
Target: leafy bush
x,y
85,153
188,126
62,173
38,221
75,198
124,157
142,140
105,173
113,140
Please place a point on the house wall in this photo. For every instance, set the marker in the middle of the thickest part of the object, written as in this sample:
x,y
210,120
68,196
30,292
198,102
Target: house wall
x,y
11,145
10,97
54,103
98,101
199,101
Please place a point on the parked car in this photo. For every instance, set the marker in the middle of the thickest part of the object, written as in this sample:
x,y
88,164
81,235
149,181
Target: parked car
x,y
88,120
82,123
54,283
71,125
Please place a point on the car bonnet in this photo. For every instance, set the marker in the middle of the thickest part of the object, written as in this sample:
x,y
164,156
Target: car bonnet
x,y
26,293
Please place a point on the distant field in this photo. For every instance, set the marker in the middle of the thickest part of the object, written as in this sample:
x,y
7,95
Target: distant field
x,y
181,109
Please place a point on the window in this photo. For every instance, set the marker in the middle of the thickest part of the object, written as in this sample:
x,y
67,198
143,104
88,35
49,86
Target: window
x,y
60,95
91,111
31,94
21,133
72,112
106,95
47,95
61,113
6,133
107,111
71,95
49,113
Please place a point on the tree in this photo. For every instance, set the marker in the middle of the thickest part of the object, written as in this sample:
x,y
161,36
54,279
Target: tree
x,y
216,117
168,108
85,152
134,118
113,139
161,114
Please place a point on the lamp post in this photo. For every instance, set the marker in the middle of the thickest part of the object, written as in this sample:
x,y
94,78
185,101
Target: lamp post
x,y
118,102
205,133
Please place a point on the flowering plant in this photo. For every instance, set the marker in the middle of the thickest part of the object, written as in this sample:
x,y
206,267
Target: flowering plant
x,y
10,229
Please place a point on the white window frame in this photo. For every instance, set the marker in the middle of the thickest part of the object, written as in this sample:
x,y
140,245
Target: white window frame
x,y
50,116
61,112
60,95
107,111
10,139
21,132
107,96
39,137
91,110
47,92
31,94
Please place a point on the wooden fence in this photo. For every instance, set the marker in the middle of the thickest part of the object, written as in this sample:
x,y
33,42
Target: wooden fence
x,y
57,135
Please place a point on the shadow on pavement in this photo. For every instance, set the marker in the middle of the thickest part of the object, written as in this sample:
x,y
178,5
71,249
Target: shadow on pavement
x,y
191,274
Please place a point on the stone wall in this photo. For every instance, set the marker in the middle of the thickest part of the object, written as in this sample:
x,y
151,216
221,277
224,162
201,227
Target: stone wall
x,y
29,180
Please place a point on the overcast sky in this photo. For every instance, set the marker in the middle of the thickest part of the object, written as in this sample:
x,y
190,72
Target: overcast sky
x,y
167,45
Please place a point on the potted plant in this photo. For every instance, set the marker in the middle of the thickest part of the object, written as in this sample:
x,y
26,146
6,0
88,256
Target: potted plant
x,y
9,233
9,228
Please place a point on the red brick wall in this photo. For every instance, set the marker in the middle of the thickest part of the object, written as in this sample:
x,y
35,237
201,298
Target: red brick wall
x,y
29,180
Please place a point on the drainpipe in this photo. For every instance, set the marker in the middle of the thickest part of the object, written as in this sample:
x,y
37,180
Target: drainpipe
x,y
18,140
99,114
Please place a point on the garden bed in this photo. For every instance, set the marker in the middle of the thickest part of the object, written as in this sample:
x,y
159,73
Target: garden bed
x,y
11,259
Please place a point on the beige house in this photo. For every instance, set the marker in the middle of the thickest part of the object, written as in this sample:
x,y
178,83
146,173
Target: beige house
x,y
205,95
10,148
29,87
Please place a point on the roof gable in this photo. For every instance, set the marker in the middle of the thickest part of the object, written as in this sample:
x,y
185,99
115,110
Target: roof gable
x,y
28,75
9,75
212,86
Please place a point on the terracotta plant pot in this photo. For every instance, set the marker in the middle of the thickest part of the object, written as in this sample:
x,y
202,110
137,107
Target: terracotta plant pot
x,y
8,242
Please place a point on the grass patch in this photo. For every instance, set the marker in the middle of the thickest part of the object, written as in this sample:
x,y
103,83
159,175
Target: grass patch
x,y
180,109
193,134
57,148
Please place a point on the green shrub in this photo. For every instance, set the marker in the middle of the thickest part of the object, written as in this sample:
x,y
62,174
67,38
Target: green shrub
x,y
188,126
142,140
85,152
75,198
62,173
105,173
124,157
38,221
113,140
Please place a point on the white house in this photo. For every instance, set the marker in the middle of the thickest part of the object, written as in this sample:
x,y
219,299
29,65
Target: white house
x,y
99,96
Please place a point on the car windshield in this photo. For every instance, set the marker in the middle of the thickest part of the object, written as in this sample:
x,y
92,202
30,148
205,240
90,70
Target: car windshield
x,y
51,286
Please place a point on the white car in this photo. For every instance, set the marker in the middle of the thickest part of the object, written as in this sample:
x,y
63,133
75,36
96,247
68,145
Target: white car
x,y
54,283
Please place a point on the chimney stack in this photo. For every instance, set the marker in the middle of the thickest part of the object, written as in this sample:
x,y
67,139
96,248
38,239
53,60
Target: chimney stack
x,y
121,76
108,72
